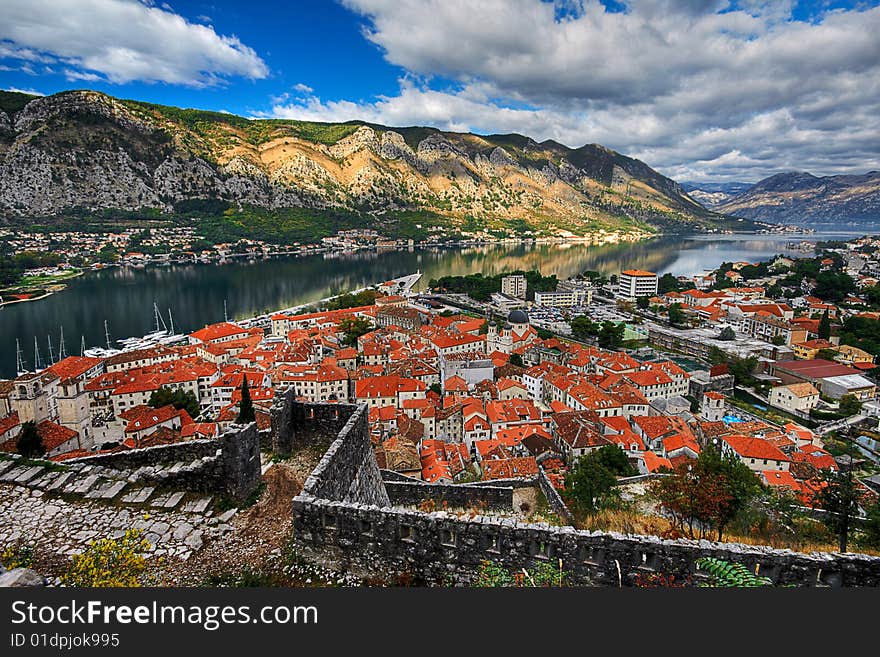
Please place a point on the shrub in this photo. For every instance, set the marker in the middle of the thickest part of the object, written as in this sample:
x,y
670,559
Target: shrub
x,y
110,562
17,556
542,574
727,574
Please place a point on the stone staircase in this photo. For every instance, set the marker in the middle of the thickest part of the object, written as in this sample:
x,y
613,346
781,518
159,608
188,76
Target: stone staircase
x,y
145,487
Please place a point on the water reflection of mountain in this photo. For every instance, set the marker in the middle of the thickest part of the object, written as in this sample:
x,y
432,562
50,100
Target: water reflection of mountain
x,y
195,293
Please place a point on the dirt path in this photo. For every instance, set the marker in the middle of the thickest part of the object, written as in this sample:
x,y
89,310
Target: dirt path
x,y
259,532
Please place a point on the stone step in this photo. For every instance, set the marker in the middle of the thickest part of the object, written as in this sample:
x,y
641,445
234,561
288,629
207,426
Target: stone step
x,y
29,474
138,496
7,465
59,481
114,489
199,505
14,473
174,500
82,485
160,500
226,516
95,491
44,479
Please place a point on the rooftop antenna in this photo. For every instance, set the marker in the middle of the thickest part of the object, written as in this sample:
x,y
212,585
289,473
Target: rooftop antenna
x,y
38,362
107,334
19,359
62,349
51,350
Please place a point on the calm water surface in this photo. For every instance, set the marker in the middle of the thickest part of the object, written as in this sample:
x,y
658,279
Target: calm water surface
x,y
195,293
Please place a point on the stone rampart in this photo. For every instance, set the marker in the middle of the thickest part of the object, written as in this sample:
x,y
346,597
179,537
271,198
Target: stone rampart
x,y
344,518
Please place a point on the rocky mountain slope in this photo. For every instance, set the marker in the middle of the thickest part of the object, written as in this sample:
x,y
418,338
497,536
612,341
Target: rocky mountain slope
x,y
801,197
712,195
87,150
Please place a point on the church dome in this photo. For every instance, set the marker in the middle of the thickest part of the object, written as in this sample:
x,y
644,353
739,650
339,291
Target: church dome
x,y
518,317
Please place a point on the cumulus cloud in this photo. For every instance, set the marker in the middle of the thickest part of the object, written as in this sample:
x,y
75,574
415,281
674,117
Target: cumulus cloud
x,y
122,41
696,88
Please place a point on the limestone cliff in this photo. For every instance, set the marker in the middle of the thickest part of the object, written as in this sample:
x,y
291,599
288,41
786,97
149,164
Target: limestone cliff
x,y
84,149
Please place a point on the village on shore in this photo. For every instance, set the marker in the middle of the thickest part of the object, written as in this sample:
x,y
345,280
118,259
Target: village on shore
x,y
771,363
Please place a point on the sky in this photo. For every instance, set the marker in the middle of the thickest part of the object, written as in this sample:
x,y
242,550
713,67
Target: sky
x,y
701,90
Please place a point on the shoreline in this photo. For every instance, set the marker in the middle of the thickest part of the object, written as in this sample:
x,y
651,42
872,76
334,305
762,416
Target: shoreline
x,y
50,287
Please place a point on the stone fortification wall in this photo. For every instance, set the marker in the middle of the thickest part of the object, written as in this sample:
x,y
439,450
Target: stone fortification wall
x,y
344,517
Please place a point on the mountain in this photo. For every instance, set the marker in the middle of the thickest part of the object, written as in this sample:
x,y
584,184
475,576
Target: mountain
x,y
802,197
87,152
711,195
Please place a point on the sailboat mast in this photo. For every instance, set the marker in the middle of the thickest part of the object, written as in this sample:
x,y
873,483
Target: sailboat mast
x,y
38,362
19,359
171,319
62,349
107,334
51,350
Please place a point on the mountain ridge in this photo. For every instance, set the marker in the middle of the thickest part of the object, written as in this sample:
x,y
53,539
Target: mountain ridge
x,y
85,149
800,195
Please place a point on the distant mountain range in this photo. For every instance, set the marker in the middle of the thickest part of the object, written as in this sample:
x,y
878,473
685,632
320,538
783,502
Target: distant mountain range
x,y
795,197
711,195
90,151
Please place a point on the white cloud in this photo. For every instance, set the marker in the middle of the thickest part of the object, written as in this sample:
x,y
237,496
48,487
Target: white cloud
x,y
32,92
122,41
693,87
303,88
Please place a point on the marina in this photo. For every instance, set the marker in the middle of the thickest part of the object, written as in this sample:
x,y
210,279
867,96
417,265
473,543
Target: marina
x,y
102,305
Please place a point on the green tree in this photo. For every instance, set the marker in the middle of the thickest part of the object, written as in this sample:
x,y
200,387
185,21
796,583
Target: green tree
x,y
354,327
706,493
834,286
861,332
30,443
246,406
516,359
108,254
590,485
727,334
614,458
838,494
826,354
870,536
668,283
676,314
611,335
825,326
180,399
849,405
583,328
643,303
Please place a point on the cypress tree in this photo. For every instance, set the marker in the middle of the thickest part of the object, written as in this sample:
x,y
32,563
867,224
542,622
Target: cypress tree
x,y
30,443
245,406
825,326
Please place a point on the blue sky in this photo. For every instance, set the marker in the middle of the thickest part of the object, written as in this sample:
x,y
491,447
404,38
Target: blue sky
x,y
699,89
